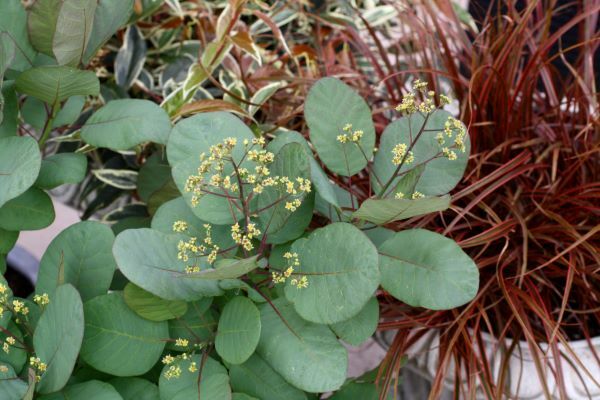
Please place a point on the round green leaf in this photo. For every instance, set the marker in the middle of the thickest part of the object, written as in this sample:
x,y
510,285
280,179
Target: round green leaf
x,y
11,387
258,379
53,84
197,324
73,29
90,390
118,341
154,174
30,211
20,162
61,168
330,105
239,330
148,258
214,384
122,124
152,307
13,20
108,18
360,327
356,390
242,396
281,224
425,269
319,178
57,338
7,240
308,356
135,388
440,175
341,265
82,256
194,136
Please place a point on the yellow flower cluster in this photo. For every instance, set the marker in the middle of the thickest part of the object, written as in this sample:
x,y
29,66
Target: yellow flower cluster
x,y
399,195
245,240
281,277
41,299
350,135
417,195
19,307
10,341
452,126
399,153
3,298
3,368
38,366
409,104
180,226
191,248
174,370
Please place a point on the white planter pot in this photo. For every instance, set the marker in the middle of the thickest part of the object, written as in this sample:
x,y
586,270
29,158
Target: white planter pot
x,y
522,379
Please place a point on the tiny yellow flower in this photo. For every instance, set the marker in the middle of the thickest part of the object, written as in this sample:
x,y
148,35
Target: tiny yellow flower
x,y
3,368
41,299
417,195
181,342
192,367
168,359
399,195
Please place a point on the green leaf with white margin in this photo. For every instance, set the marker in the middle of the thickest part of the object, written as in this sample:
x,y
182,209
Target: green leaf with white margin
x,y
135,388
330,105
124,123
319,178
73,30
238,331
425,269
17,356
20,162
82,256
13,20
120,178
61,168
90,390
53,84
290,161
118,341
152,307
30,211
178,210
109,16
197,324
440,175
360,327
195,135
214,384
11,387
148,258
347,284
227,268
256,378
262,95
57,338
307,355
384,211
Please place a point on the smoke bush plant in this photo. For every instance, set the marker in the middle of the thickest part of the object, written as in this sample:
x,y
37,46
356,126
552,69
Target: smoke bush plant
x,y
249,277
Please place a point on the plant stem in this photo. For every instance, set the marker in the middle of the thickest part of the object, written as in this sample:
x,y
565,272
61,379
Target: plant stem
x,y
48,126
412,144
